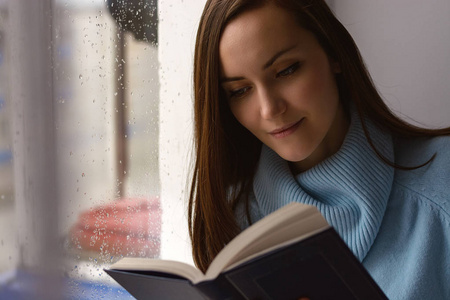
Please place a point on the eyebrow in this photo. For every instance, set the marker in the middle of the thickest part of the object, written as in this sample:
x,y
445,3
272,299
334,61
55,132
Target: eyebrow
x,y
270,62
277,55
230,79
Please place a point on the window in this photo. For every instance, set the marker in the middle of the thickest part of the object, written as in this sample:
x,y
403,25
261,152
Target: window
x,y
93,143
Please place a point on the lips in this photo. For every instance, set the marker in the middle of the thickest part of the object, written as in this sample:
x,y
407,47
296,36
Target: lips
x,y
285,130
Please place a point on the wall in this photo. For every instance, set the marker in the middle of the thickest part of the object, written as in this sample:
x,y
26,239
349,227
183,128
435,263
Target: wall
x,y
406,45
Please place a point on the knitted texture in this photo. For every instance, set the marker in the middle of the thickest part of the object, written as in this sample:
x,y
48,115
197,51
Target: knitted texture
x,y
350,188
396,222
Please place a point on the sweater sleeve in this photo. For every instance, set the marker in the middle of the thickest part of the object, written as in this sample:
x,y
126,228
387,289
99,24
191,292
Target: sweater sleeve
x,y
410,258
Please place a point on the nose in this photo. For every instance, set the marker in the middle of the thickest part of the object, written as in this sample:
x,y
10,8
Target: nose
x,y
272,104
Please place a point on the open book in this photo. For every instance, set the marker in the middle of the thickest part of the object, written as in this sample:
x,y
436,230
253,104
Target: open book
x,y
289,254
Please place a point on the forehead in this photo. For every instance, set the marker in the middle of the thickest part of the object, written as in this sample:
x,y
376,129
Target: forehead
x,y
264,19
255,35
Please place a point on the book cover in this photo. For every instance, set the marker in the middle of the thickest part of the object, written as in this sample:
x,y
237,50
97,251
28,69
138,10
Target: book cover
x,y
291,253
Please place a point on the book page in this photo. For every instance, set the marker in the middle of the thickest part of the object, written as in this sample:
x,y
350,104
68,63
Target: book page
x,y
164,266
294,220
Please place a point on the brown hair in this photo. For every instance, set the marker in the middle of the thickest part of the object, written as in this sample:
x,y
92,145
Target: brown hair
x,y
226,153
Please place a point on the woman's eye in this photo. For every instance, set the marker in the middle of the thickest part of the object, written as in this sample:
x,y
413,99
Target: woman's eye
x,y
289,70
238,93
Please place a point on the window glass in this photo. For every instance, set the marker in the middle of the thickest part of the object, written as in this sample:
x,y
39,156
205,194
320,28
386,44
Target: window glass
x,y
106,115
8,258
106,93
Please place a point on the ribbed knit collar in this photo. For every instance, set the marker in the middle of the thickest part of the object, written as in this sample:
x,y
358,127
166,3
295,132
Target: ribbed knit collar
x,y
350,188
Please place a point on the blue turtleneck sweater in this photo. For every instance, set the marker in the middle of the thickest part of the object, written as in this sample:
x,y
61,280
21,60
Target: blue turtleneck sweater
x,y
396,222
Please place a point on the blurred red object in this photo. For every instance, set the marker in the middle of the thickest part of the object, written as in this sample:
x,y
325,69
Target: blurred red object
x,y
130,227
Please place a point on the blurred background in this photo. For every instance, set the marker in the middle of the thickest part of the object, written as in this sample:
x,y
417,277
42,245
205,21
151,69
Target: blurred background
x,y
95,106
96,119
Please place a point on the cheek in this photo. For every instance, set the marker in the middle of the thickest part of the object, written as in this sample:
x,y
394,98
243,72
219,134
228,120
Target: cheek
x,y
320,90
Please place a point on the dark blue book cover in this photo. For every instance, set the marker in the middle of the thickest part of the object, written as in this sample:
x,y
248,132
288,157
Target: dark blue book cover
x,y
317,265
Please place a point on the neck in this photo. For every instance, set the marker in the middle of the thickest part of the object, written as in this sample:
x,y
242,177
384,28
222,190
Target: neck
x,y
331,143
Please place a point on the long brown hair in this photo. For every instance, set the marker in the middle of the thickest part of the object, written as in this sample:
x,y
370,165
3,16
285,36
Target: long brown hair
x,y
226,154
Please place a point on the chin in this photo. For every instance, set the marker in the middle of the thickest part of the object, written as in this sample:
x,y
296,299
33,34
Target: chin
x,y
293,157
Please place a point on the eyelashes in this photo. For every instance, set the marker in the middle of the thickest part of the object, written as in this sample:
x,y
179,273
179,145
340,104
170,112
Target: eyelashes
x,y
241,92
238,93
289,70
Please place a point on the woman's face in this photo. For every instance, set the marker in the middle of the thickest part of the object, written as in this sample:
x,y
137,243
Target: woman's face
x,y
281,86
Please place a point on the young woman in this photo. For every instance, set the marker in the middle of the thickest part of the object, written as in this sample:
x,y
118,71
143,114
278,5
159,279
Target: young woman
x,y
286,111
